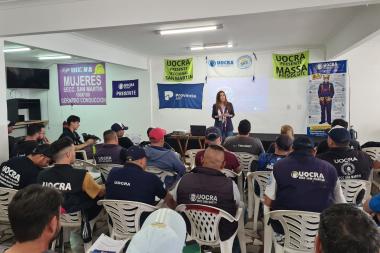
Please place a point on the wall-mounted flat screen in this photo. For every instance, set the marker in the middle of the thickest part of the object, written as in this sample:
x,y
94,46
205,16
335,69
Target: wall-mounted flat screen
x,y
27,78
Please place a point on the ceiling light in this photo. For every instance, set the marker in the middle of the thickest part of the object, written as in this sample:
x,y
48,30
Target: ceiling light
x,y
211,46
190,29
54,57
16,49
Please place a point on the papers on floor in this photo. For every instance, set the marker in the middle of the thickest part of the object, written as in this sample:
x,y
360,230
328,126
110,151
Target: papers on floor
x,y
107,244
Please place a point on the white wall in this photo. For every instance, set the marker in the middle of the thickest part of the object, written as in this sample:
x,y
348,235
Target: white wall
x,y
364,72
134,112
286,98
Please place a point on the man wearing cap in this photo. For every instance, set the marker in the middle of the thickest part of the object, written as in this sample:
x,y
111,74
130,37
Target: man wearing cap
x,y
11,140
110,151
73,123
133,183
162,158
80,190
124,141
146,143
243,142
302,182
323,146
325,95
19,172
349,163
214,137
207,185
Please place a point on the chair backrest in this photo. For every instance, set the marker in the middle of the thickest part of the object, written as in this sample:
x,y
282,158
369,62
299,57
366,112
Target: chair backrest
x,y
6,195
105,168
125,216
84,165
204,222
262,179
230,173
82,153
245,160
162,174
191,153
352,189
300,229
373,152
71,219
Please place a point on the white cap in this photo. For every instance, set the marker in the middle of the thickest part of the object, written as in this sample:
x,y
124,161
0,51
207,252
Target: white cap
x,y
163,231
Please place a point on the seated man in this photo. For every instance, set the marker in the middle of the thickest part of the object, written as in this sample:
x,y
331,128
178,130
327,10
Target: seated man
x,y
119,129
132,183
34,217
285,129
302,182
344,228
79,189
11,140
323,145
146,143
110,151
19,172
162,158
214,137
207,185
349,163
34,135
243,142
73,123
282,147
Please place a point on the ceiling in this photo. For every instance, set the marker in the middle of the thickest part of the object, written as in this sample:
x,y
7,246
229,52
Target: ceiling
x,y
32,56
265,31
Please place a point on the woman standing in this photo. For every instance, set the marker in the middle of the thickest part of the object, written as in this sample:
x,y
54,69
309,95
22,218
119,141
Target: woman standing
x,y
222,112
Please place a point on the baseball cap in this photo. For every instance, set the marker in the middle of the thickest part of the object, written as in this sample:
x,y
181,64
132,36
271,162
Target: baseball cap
x,y
157,133
303,142
43,149
339,134
133,153
118,126
163,231
11,123
284,142
213,133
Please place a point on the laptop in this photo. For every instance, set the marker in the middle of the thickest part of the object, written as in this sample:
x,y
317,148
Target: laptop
x,y
197,130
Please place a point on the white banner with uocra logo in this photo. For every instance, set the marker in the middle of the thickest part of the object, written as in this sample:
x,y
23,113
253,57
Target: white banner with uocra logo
x,y
230,65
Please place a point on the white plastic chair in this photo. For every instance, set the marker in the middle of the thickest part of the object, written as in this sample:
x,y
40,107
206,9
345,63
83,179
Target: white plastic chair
x,y
6,195
69,221
125,216
84,165
204,222
262,178
373,152
300,229
352,187
105,169
230,173
191,153
245,160
162,174
82,153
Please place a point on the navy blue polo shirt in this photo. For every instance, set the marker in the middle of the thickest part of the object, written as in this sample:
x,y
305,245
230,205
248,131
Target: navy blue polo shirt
x,y
132,183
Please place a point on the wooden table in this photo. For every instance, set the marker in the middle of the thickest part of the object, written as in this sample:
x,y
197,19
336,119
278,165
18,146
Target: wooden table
x,y
183,140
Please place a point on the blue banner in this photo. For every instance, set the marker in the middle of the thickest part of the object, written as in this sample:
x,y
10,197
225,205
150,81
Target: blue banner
x,y
180,95
331,67
125,89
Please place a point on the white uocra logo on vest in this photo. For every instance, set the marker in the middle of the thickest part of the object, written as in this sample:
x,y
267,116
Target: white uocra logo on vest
x,y
204,198
310,176
58,186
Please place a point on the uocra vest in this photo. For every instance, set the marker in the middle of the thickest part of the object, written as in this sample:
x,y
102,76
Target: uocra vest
x,y
69,181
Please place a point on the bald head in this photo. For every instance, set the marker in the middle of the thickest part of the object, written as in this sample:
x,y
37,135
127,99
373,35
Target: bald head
x,y
214,157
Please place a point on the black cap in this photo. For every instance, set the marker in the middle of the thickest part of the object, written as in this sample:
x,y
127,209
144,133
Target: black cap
x,y
303,142
133,153
339,135
43,149
284,142
213,133
118,126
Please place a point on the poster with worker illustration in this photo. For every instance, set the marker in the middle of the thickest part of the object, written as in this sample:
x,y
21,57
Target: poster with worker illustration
x,y
327,95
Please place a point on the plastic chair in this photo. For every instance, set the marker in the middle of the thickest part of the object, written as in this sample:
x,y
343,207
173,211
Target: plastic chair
x,y
6,195
84,165
68,222
245,160
105,169
373,152
191,153
352,187
83,154
230,173
300,229
204,222
262,178
125,216
162,174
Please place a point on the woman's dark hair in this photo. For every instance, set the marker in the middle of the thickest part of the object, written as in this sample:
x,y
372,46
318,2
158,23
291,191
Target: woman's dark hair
x,y
218,102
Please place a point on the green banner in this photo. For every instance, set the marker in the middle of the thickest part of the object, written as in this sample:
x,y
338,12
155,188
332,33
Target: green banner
x,y
288,66
178,70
